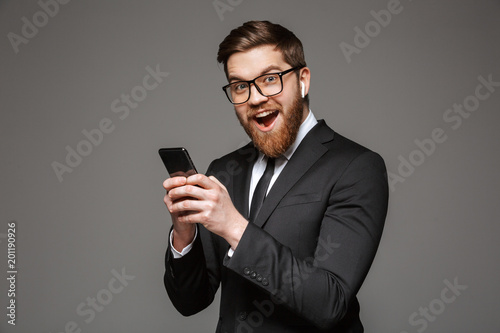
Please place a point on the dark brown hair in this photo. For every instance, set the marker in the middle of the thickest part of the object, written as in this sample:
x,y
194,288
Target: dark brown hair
x,y
258,33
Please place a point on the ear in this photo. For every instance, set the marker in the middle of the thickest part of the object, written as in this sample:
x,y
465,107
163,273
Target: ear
x,y
305,80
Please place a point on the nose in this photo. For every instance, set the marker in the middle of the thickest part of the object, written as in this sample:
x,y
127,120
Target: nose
x,y
256,98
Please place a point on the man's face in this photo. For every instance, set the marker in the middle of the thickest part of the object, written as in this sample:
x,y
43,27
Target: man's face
x,y
271,122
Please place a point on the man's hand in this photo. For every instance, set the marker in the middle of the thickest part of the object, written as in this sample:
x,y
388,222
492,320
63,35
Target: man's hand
x,y
202,199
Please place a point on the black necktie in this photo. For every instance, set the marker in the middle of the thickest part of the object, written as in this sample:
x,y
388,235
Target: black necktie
x,y
261,189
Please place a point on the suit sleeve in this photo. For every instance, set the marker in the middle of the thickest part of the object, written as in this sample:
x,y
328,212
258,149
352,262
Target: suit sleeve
x,y
192,281
320,289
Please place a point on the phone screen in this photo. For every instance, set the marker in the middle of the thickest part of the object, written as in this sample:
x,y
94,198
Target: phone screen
x,y
177,161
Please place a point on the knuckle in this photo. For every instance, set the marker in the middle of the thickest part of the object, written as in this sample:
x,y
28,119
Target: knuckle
x,y
213,196
205,218
211,205
186,204
189,189
194,178
171,208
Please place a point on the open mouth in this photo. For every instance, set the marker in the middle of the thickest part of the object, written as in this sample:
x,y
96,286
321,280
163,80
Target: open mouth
x,y
265,120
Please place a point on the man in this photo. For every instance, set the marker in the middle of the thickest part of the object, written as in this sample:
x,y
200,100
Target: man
x,y
295,262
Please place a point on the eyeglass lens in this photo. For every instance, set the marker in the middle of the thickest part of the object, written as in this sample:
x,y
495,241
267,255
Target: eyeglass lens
x,y
269,84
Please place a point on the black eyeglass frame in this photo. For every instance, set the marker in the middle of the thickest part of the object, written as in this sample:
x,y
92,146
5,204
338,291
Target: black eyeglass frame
x,y
280,74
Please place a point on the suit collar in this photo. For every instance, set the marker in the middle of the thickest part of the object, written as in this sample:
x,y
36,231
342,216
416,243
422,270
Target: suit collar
x,y
246,157
308,152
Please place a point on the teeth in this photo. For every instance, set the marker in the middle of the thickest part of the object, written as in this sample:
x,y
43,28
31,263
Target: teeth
x,y
263,114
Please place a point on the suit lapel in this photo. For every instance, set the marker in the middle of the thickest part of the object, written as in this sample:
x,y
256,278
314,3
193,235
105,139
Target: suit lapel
x,y
309,151
241,180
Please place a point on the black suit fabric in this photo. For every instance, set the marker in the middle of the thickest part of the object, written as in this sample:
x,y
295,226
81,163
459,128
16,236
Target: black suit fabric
x,y
299,266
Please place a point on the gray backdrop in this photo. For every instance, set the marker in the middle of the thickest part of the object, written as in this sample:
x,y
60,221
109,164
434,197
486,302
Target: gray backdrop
x,y
82,118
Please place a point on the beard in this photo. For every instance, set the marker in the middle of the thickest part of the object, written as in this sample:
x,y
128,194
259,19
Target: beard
x,y
275,142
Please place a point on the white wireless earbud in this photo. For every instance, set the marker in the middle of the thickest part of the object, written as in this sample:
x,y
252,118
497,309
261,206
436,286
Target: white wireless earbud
x,y
303,86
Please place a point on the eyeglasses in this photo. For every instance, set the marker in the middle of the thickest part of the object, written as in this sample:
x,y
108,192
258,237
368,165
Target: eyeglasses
x,y
268,85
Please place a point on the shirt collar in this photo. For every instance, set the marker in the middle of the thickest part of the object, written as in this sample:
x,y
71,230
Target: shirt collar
x,y
305,127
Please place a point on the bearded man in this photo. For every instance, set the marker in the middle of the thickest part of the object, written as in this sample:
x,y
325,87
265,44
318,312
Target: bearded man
x,y
289,224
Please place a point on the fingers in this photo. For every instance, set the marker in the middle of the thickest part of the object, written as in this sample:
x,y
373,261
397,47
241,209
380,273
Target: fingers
x,y
202,181
188,206
186,192
173,182
193,199
169,184
195,187
167,200
208,183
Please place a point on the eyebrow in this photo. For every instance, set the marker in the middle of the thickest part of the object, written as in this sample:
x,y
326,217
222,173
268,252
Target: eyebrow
x,y
234,78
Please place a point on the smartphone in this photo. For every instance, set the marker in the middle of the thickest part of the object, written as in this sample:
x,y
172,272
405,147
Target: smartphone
x,y
177,161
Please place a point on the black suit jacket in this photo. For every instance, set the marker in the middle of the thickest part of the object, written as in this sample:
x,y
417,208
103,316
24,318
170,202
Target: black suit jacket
x,y
299,267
